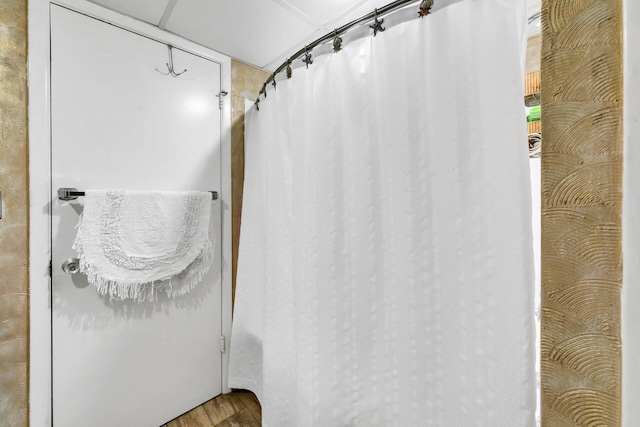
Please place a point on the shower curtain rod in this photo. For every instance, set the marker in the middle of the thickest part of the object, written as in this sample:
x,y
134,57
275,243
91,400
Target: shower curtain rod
x,y
425,7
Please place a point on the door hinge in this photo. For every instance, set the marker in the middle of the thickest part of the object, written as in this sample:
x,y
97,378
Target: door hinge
x,y
222,344
221,96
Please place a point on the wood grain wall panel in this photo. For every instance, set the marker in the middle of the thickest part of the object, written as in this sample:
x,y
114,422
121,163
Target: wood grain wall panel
x,y
534,127
581,212
14,298
246,81
532,83
532,93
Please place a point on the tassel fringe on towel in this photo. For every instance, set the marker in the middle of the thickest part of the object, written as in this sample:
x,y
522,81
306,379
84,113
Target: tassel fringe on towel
x,y
132,245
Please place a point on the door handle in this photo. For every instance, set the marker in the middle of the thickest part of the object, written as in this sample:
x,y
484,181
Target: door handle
x,y
71,266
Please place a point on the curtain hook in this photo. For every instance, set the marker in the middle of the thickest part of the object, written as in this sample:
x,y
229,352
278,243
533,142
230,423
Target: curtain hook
x,y
377,24
337,42
288,70
425,7
273,80
307,56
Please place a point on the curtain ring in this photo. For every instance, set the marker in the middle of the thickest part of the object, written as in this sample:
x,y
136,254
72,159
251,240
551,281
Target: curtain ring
x,y
337,42
289,71
425,8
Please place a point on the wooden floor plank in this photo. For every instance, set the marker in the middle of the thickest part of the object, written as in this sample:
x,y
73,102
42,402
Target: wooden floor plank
x,y
241,419
251,402
237,409
197,417
223,407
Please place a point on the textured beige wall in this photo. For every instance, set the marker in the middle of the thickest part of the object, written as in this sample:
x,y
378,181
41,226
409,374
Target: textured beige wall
x,y
581,212
14,314
246,81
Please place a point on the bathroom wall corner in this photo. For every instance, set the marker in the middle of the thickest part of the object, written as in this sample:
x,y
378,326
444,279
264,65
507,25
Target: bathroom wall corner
x,y
246,81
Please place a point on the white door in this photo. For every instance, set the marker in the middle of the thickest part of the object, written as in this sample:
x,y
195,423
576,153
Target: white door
x,y
119,123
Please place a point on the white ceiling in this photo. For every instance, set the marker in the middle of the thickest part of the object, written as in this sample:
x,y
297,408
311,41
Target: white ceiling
x,y
262,33
230,27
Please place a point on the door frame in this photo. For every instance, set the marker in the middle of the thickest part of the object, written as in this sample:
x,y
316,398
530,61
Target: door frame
x,y
39,80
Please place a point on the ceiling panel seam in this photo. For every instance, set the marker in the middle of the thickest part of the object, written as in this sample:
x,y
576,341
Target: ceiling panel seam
x,y
300,14
171,4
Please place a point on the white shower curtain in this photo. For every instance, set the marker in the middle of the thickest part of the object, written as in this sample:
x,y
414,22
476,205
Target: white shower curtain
x,y
385,275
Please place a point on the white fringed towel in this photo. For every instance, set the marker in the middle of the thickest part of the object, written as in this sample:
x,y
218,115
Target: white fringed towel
x,y
131,244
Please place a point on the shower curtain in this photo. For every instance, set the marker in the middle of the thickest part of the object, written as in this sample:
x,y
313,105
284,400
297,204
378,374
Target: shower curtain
x,y
385,275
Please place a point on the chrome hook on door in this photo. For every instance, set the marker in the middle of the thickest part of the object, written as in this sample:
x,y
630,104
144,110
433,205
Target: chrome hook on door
x,y
71,266
170,65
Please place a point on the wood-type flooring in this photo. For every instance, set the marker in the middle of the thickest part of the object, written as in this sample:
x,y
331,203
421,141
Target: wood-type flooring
x,y
237,409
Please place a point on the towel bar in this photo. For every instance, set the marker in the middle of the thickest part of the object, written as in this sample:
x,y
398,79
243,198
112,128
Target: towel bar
x,y
74,193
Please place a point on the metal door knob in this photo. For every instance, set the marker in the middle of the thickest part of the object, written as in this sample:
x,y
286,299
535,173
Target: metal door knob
x,y
71,266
